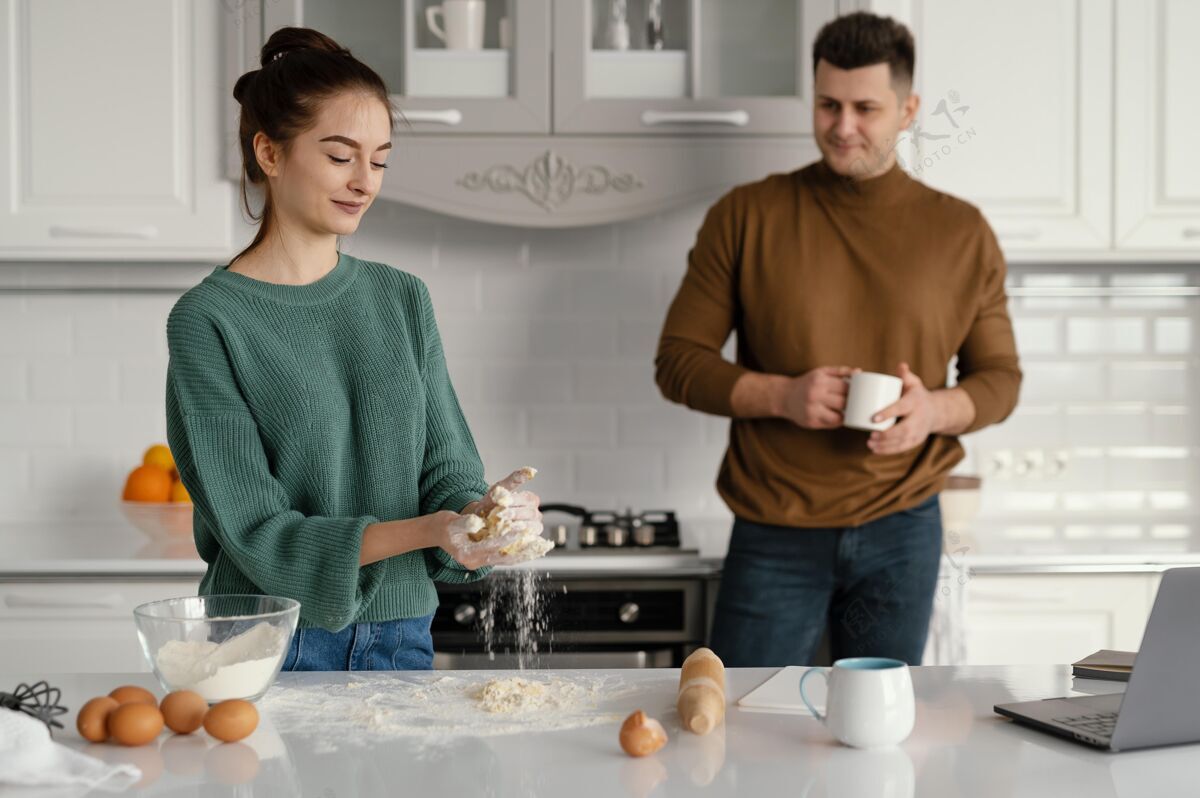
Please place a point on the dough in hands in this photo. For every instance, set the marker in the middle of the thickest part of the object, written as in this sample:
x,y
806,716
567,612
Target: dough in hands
x,y
517,540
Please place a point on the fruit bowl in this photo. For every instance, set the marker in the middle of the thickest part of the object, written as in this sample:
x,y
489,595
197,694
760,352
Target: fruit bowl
x,y
160,520
220,646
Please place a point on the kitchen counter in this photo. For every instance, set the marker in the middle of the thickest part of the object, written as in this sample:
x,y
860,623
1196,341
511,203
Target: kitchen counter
x,y
120,551
958,747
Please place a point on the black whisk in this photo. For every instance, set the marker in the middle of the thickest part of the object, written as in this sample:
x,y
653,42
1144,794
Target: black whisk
x,y
38,701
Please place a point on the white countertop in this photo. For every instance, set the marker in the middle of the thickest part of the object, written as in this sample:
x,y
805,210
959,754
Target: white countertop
x,y
958,748
116,550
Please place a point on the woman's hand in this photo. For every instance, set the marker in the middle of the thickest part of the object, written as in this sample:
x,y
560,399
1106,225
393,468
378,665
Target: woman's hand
x,y
452,532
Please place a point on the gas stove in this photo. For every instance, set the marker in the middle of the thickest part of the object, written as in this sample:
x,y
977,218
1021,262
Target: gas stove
x,y
610,532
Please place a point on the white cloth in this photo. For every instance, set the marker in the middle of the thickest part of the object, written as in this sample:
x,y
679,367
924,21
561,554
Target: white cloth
x,y
29,758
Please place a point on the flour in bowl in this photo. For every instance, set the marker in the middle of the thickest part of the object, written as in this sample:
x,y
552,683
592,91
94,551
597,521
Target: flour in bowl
x,y
238,667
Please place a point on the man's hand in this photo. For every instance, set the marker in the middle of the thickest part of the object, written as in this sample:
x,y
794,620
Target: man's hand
x,y
917,411
816,400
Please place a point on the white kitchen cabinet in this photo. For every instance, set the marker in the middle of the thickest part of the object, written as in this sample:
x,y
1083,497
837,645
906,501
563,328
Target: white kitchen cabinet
x,y
1157,160
1054,618
68,626
110,144
1016,114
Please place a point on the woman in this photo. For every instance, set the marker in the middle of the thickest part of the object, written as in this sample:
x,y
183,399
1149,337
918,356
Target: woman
x,y
308,403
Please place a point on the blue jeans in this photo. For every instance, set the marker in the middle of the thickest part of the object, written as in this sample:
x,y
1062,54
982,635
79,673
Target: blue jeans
x,y
871,585
400,645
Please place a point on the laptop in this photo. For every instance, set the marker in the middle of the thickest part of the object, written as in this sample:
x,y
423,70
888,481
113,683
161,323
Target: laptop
x,y
1161,704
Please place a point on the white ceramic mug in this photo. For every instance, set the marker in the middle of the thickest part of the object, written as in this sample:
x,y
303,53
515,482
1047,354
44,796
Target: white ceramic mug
x,y
869,701
870,393
463,23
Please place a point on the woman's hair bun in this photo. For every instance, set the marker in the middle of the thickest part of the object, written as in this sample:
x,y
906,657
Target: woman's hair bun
x,y
287,40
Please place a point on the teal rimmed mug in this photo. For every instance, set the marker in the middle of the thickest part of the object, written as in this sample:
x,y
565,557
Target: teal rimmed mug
x,y
869,701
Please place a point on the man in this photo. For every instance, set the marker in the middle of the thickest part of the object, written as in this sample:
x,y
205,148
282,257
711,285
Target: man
x,y
845,264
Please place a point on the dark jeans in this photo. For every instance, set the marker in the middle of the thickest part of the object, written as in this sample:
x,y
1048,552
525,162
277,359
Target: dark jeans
x,y
401,645
871,585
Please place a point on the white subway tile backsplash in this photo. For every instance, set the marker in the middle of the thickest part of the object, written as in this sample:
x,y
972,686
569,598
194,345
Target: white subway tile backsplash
x,y
14,380
1037,336
473,246
624,473
30,425
142,379
622,294
570,426
484,338
1062,380
550,338
522,382
66,379
582,338
118,426
1173,336
29,333
531,295
620,382
1154,381
574,248
1089,336
668,425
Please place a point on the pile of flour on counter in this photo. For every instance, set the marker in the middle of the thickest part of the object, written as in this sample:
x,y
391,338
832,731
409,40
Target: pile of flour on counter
x,y
366,710
240,666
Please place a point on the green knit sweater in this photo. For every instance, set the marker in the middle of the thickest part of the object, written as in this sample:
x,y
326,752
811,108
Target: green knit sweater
x,y
298,415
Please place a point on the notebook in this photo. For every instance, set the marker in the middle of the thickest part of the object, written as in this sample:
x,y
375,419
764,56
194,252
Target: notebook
x,y
781,693
1104,664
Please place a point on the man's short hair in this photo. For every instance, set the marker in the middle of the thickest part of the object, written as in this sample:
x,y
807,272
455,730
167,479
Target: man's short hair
x,y
863,39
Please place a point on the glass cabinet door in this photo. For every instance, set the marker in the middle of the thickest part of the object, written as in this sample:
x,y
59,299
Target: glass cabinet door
x,y
453,66
685,66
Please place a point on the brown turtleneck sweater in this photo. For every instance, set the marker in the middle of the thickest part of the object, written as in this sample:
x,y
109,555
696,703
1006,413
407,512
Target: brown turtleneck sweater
x,y
812,269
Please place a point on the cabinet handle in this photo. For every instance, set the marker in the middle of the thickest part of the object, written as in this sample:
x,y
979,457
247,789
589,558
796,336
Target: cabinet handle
x,y
1191,232
735,118
1027,234
1051,597
110,602
451,116
144,232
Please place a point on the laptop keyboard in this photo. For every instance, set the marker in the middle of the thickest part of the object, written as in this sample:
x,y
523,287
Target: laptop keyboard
x,y
1100,724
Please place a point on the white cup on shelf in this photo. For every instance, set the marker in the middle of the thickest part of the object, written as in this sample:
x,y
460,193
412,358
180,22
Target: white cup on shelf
x,y
461,26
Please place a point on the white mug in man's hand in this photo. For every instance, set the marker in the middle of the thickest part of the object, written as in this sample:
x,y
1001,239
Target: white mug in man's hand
x,y
869,393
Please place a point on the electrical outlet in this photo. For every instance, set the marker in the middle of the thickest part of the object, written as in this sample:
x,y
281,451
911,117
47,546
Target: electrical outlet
x,y
1000,465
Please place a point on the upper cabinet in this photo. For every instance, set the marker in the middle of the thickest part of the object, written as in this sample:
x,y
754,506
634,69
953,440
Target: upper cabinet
x,y
110,144
553,113
680,67
1071,124
1157,158
1016,115
461,66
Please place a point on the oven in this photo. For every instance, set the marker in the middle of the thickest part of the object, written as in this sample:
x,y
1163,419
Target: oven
x,y
594,620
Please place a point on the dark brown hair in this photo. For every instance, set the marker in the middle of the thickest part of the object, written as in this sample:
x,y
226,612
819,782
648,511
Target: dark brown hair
x,y
301,68
862,39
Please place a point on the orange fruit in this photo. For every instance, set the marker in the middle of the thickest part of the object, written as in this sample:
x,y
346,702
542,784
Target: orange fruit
x,y
160,455
148,483
179,493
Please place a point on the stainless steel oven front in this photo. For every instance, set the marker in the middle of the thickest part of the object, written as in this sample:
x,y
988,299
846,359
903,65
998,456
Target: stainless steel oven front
x,y
592,621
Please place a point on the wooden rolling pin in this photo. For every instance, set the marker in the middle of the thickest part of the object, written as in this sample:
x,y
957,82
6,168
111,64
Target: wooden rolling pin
x,y
701,701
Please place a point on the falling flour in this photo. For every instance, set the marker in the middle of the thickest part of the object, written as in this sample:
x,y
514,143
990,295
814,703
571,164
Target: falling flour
x,y
519,597
363,711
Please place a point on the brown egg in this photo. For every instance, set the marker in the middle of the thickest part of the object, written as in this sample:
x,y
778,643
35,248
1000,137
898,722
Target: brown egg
x,y
231,720
183,711
642,736
92,721
135,724
132,694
